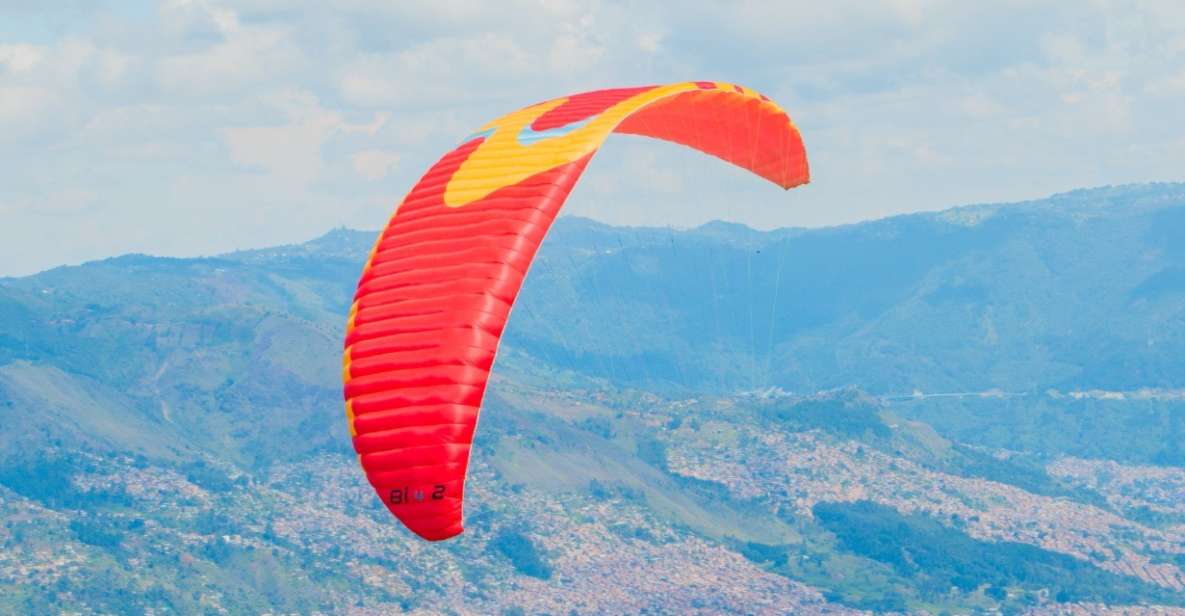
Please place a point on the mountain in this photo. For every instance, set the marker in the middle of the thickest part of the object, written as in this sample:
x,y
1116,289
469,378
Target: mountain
x,y
975,409
1084,289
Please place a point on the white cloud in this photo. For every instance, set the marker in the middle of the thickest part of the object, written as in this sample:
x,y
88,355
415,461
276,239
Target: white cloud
x,y
650,42
19,58
18,104
212,125
240,57
1170,85
67,202
290,152
981,105
375,164
441,72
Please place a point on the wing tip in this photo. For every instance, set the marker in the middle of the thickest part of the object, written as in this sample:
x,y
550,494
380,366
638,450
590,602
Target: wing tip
x,y
442,534
794,183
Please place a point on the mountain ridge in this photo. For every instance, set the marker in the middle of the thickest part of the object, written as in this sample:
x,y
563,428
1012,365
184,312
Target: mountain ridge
x,y
352,235
175,437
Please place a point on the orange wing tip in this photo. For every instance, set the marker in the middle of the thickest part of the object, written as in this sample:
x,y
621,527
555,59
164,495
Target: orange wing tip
x,y
795,183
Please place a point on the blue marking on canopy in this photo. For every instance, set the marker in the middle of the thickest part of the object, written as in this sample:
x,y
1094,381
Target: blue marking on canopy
x,y
528,135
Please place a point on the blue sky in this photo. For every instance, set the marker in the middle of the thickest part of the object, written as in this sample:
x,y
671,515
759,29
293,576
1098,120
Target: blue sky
x,y
196,127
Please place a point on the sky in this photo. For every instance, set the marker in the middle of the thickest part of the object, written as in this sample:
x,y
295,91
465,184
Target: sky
x,y
192,127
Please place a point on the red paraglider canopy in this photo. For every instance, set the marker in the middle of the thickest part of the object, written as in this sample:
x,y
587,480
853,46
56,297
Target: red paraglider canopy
x,y
435,294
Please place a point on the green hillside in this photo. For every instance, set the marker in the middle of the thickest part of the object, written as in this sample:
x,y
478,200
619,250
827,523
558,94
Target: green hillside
x,y
973,410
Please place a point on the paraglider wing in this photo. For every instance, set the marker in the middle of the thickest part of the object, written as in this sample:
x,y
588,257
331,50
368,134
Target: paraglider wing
x,y
439,284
